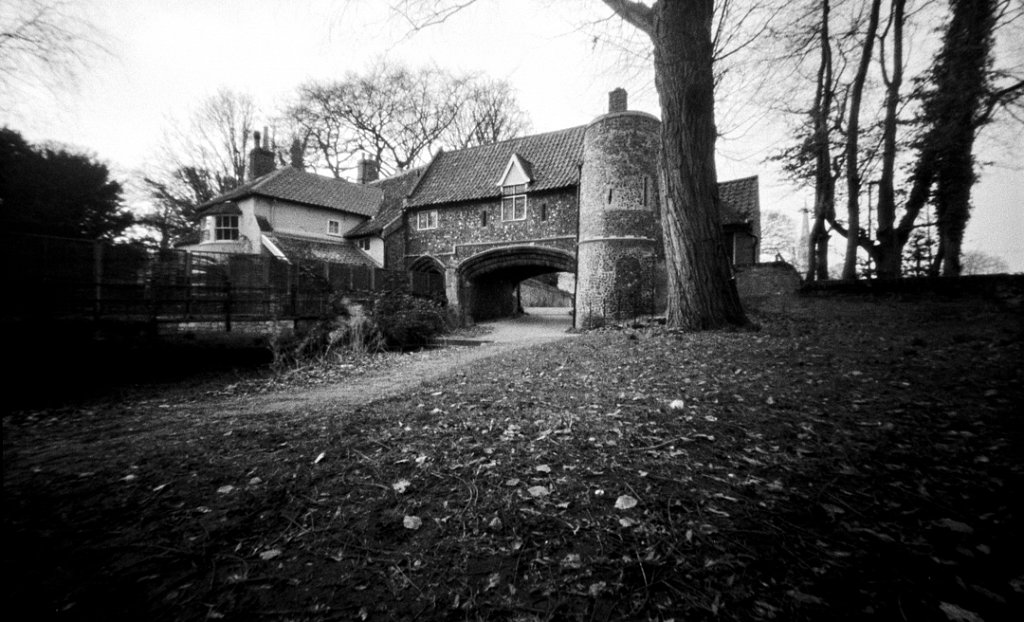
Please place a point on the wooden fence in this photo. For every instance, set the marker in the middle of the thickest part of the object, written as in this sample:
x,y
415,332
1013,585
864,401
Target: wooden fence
x,y
58,278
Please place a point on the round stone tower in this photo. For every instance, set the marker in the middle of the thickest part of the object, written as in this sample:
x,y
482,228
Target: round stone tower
x,y
619,254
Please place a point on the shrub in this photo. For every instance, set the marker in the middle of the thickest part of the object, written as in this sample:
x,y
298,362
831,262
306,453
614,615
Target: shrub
x,y
405,321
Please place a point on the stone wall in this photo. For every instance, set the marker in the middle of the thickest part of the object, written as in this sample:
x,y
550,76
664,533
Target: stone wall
x,y
619,233
462,231
767,285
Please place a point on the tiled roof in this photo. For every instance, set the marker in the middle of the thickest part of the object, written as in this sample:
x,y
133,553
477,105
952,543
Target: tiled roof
x,y
395,189
290,184
474,173
337,252
739,200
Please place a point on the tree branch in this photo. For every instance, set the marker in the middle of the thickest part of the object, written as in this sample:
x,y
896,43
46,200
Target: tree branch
x,y
639,15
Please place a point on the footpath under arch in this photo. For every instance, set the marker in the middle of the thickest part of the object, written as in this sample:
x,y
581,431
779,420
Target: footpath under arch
x,y
487,281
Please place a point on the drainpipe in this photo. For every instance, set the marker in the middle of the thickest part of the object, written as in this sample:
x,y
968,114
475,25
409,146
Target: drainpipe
x,y
576,280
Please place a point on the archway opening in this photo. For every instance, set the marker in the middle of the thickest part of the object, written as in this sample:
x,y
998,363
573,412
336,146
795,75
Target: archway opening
x,y
492,282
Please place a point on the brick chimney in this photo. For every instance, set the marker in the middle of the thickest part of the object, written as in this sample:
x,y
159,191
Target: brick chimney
x,y
617,100
367,171
296,154
261,158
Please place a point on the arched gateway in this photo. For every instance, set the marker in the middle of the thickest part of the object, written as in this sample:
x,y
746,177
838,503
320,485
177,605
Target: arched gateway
x,y
582,200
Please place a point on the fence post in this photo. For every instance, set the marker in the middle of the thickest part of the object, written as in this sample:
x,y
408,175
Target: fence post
x,y
293,293
188,286
97,277
227,305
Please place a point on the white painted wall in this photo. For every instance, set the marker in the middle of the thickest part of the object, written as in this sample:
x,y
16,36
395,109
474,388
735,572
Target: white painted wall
x,y
303,220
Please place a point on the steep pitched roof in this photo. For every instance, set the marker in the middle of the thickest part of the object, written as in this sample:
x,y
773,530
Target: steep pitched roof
x,y
290,184
474,173
739,200
395,188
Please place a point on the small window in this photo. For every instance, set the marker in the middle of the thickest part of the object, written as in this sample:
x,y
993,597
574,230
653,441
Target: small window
x,y
543,211
225,228
483,218
426,220
513,202
333,227
364,243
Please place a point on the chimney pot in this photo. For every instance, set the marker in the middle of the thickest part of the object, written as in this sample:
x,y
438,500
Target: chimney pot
x,y
617,100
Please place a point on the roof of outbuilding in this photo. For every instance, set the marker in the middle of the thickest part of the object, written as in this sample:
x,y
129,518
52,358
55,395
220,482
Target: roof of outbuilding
x,y
290,184
395,189
338,252
739,200
474,173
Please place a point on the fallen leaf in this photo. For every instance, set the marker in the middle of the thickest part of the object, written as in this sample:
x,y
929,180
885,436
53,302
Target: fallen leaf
x,y
270,554
512,482
495,524
493,581
401,485
412,522
224,490
538,491
627,522
320,457
958,614
955,525
677,404
573,561
542,468
625,502
807,599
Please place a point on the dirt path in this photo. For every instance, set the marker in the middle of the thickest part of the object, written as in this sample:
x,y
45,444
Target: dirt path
x,y
539,325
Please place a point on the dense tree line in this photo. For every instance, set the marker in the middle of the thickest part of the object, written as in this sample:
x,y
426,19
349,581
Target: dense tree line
x,y
50,190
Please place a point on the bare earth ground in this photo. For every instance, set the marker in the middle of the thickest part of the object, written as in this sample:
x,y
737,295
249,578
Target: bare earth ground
x,y
538,326
852,459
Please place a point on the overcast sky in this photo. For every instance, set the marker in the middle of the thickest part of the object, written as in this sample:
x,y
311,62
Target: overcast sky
x,y
165,56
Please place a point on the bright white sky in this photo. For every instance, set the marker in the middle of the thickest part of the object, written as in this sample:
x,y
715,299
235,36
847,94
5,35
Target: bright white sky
x,y
167,56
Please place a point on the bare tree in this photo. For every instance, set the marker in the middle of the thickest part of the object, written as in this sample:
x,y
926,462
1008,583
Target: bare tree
x,y
778,236
201,158
44,42
400,116
489,114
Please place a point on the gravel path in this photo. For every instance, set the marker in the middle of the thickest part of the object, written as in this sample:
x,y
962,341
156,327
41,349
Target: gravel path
x,y
539,325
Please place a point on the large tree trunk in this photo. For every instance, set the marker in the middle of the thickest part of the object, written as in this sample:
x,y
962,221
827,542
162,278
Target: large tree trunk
x,y
853,146
824,182
701,290
957,110
888,251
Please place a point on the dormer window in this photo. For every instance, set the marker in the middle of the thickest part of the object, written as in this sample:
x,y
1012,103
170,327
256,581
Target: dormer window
x,y
514,180
333,227
513,202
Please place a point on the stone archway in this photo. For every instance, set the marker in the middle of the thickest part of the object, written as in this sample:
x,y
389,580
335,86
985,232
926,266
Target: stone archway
x,y
487,281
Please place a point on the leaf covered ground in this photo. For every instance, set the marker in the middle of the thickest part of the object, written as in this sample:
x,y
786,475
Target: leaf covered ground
x,y
851,459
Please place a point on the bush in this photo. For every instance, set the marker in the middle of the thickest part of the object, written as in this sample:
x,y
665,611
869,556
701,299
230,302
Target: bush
x,y
406,321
